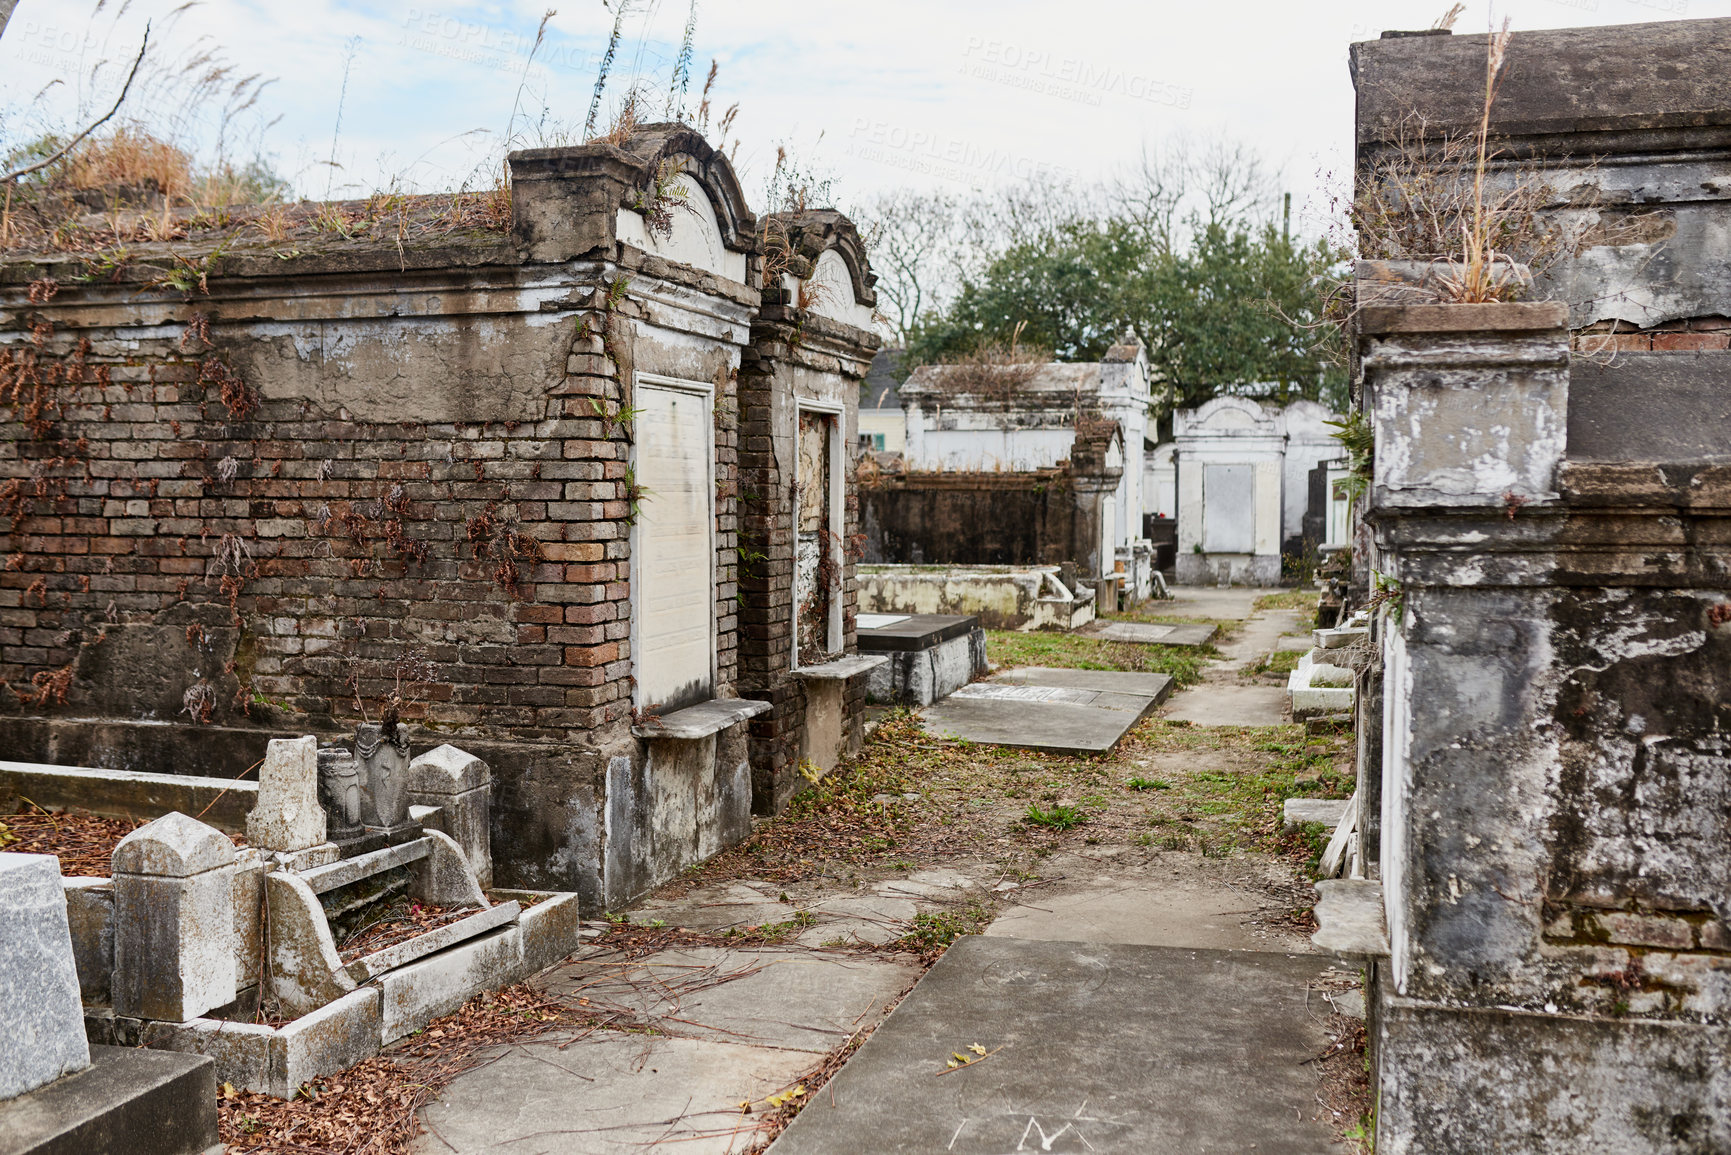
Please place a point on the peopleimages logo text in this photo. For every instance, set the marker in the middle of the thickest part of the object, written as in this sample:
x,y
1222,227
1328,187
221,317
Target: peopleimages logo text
x,y
1067,77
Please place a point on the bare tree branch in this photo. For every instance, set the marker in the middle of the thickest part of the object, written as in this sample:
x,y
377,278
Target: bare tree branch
x,y
6,178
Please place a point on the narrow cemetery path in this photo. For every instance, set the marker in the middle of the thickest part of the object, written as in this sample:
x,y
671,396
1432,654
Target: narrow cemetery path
x,y
719,1007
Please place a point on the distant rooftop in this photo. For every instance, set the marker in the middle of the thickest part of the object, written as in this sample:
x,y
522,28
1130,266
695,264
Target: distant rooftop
x,y
881,391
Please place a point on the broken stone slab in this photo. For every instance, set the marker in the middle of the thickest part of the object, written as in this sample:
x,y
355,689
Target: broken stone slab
x,y
373,965
90,917
41,1019
174,920
460,786
288,816
443,877
324,879
1341,637
1334,856
1295,812
1350,918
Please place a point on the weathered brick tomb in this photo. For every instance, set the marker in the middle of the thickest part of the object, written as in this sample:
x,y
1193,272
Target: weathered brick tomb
x,y
1548,715
490,483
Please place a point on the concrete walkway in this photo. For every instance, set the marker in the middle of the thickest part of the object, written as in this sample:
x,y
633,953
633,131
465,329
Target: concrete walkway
x,y
1224,697
1131,999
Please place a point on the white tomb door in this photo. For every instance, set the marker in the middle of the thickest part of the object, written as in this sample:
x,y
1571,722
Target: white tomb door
x,y
1229,509
673,546
1108,536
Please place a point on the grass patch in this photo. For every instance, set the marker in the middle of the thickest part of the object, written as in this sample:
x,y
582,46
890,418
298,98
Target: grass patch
x,y
1280,663
1140,783
1057,818
1080,652
772,932
932,933
1289,600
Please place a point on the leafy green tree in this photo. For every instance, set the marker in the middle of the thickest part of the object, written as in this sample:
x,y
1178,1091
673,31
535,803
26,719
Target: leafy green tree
x,y
1232,310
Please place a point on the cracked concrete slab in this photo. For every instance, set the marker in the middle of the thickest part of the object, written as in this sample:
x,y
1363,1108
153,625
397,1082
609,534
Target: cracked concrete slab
x,y
608,1094
787,999
1147,1049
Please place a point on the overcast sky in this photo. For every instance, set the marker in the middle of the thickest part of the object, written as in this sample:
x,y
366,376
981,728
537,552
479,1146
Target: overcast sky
x,y
949,93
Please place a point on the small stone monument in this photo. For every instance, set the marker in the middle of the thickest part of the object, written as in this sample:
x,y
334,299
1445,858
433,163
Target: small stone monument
x,y
174,936
288,820
41,1017
383,753
459,784
343,794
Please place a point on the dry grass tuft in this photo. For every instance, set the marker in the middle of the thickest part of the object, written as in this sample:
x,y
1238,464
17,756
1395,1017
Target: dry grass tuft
x,y
993,370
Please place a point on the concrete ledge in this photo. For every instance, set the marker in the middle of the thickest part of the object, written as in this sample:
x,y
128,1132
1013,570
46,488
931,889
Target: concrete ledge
x,y
1501,316
134,1101
1634,1086
701,720
841,669
224,802
1350,919
323,879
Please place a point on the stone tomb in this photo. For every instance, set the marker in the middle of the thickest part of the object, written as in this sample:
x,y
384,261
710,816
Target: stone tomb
x,y
190,938
931,656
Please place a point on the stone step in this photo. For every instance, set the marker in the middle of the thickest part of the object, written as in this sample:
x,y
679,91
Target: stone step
x,y
371,966
323,879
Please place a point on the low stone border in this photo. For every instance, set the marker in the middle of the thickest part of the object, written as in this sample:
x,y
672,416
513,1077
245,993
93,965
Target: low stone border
x,y
277,1060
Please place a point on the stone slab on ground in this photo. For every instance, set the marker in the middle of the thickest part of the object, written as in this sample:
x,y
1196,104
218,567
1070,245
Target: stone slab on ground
x,y
1298,811
609,1094
1157,633
1061,711
1148,1049
130,1099
736,904
789,999
1228,704
1293,644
